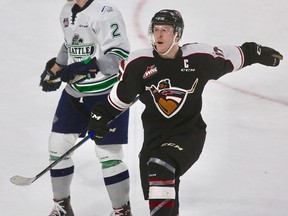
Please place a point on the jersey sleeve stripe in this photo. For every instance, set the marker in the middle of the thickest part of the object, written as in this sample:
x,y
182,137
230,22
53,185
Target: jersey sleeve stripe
x,y
233,54
242,58
123,54
115,101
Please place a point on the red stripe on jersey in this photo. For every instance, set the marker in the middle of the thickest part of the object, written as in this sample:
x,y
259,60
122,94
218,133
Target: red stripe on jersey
x,y
113,104
161,203
242,57
121,69
161,182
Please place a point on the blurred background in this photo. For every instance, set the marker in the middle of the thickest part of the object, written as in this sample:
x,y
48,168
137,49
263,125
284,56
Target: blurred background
x,y
243,168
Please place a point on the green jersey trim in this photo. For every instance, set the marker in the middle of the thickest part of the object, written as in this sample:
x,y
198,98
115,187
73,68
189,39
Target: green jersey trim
x,y
95,87
119,52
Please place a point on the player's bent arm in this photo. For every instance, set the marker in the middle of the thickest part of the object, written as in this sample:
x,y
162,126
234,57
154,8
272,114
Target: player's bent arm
x,y
62,57
109,63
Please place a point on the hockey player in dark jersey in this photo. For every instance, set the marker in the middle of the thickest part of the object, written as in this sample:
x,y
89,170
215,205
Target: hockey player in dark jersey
x,y
169,79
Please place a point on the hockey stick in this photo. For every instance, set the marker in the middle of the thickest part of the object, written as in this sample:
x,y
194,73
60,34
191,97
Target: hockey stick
x,y
192,89
278,56
23,181
76,78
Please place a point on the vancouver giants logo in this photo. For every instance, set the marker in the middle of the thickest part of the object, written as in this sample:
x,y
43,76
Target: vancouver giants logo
x,y
169,100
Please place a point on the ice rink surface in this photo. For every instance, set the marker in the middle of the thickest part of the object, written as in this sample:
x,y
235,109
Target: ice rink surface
x,y
243,168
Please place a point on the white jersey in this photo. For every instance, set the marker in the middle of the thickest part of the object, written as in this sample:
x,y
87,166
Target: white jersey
x,y
97,29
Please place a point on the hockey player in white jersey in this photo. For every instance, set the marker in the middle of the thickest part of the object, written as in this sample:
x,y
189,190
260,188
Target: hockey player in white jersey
x,y
88,61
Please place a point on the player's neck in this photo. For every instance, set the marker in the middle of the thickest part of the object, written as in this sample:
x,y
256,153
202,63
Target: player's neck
x,y
81,3
172,53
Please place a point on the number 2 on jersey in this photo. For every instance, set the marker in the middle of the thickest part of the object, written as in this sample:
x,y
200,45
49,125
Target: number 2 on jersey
x,y
115,30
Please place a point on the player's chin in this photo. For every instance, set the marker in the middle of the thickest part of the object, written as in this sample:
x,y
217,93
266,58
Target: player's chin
x,y
161,48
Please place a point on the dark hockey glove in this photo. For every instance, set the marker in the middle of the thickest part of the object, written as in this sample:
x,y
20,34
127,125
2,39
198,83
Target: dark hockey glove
x,y
47,76
255,53
79,71
98,123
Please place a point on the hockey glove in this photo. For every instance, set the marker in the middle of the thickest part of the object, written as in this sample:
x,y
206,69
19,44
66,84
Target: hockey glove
x,y
46,77
79,71
98,123
255,53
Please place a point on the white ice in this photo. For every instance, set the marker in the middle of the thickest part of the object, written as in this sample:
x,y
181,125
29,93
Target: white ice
x,y
243,168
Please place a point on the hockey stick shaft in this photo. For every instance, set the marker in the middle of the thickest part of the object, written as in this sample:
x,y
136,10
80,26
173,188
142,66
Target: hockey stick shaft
x,y
64,155
19,180
76,78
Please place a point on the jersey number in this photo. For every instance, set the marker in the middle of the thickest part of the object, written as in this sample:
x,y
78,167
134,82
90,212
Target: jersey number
x,y
115,30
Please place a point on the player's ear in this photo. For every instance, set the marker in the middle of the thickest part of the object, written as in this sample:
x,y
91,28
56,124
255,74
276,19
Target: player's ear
x,y
177,38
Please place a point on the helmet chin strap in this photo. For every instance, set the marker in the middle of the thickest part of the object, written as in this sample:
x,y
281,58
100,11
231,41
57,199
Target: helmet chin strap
x,y
165,53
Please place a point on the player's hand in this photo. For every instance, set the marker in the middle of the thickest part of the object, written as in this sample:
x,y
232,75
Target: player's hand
x,y
268,56
255,53
98,123
47,76
88,69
